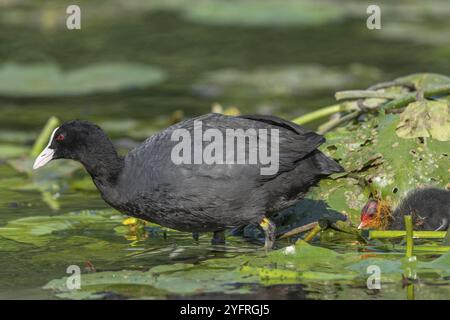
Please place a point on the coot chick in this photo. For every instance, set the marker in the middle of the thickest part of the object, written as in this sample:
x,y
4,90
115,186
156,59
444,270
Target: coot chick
x,y
429,207
197,197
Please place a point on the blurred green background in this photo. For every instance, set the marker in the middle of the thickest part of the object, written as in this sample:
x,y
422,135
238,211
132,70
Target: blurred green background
x,y
135,67
266,56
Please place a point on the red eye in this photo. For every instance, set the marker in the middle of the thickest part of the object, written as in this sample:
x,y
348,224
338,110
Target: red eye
x,y
60,137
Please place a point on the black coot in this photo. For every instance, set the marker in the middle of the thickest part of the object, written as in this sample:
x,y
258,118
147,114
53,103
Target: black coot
x,y
429,208
147,184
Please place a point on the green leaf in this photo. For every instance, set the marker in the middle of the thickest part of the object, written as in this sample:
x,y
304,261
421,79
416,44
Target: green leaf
x,y
257,13
39,230
36,80
182,279
287,80
425,119
425,81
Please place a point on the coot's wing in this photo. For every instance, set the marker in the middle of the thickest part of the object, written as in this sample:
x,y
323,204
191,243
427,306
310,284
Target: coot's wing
x,y
272,120
295,143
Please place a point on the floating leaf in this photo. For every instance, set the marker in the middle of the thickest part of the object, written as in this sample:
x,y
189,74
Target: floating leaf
x,y
286,80
182,279
39,230
425,119
48,80
424,81
392,166
268,12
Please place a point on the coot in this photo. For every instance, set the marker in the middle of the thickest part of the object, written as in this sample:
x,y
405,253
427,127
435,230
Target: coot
x,y
198,197
429,207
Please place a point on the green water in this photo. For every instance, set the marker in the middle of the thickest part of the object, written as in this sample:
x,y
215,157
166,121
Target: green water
x,y
187,51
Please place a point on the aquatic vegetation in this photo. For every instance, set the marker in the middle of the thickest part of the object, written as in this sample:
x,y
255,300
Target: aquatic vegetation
x,y
424,119
11,151
300,263
37,80
40,230
378,158
284,80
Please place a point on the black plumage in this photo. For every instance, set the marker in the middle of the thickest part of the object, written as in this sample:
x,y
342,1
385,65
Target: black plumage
x,y
197,197
429,208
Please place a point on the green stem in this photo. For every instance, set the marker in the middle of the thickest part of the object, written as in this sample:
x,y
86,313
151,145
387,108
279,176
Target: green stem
x,y
44,136
402,102
410,292
361,94
312,233
398,101
432,248
321,113
409,236
330,125
298,230
375,234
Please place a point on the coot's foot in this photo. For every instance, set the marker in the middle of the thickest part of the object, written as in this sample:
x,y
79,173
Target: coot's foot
x,y
269,230
218,237
195,236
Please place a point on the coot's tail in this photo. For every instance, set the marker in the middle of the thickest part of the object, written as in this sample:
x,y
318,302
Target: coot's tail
x,y
326,165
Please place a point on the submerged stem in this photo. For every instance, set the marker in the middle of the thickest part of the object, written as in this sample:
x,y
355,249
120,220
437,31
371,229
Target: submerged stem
x,y
383,234
312,233
409,236
432,248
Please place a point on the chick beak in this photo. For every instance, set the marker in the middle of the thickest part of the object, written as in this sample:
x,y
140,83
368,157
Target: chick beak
x,y
362,225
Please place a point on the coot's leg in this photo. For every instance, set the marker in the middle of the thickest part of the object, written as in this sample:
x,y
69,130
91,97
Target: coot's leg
x,y
269,230
195,236
218,237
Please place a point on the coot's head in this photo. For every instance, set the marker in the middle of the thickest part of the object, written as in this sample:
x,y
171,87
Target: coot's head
x,y
375,214
77,140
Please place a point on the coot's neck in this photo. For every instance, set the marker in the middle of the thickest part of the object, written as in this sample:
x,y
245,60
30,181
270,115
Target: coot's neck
x,y
105,166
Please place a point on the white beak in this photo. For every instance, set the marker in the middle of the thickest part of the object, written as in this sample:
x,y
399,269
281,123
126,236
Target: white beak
x,y
46,155
361,225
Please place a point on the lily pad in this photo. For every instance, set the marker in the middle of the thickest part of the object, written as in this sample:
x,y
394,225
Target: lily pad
x,y
38,230
417,32
301,263
286,80
425,119
425,81
267,12
392,166
181,279
35,80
